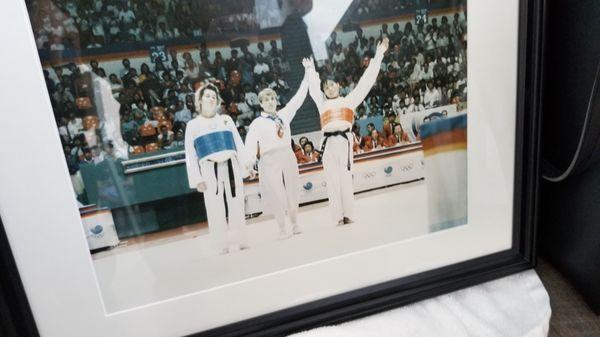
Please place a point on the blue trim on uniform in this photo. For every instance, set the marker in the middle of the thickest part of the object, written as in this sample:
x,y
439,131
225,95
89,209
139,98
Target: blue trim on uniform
x,y
213,143
443,125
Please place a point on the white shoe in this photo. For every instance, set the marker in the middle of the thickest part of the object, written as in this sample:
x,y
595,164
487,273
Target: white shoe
x,y
296,230
341,223
244,246
224,251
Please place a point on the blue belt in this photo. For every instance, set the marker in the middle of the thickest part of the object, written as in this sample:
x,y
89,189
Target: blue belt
x,y
214,142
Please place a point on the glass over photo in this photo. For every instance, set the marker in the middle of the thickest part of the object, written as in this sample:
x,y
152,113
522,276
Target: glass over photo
x,y
214,141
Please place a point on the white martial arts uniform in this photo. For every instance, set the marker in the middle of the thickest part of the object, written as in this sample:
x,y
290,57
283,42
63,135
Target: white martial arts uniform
x,y
279,180
226,230
338,155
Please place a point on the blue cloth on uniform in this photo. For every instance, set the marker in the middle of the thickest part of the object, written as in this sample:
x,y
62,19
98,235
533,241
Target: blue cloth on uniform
x,y
213,143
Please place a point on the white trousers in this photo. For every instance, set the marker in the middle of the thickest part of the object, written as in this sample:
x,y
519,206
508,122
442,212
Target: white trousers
x,y
279,183
340,187
226,228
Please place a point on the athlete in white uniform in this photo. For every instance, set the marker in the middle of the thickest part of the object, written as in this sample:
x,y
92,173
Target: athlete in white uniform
x,y
214,155
269,142
337,117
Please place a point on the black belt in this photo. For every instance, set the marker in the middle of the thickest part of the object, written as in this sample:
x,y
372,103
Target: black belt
x,y
344,134
231,177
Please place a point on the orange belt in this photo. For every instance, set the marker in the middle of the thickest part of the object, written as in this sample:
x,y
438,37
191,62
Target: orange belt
x,y
339,114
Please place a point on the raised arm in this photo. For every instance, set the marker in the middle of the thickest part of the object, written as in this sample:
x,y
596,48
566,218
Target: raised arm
x,y
314,83
289,111
364,85
191,159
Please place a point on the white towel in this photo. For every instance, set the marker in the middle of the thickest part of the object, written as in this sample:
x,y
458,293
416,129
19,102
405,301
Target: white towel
x,y
514,306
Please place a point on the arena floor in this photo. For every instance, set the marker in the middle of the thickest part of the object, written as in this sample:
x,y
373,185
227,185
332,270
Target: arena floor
x,y
161,266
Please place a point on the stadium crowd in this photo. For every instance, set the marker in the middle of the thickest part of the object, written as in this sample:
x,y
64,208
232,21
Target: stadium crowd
x,y
60,25
71,25
425,67
156,100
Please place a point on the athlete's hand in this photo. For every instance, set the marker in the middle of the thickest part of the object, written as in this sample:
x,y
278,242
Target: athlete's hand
x,y
308,62
383,45
201,187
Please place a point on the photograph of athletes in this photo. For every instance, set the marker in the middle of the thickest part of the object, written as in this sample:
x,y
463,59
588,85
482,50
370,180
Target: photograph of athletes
x,y
210,142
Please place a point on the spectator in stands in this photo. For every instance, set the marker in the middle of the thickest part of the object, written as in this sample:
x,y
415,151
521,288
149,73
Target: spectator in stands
x,y
165,137
416,105
247,55
179,139
74,126
63,95
281,87
163,33
145,73
219,66
275,52
361,112
310,155
261,51
182,113
126,68
245,112
426,73
373,141
431,97
397,137
388,128
298,151
88,157
233,63
370,128
261,66
338,56
357,139
192,72
251,98
96,69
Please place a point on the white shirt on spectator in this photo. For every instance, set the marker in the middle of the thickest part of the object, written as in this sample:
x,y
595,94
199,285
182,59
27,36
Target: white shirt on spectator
x,y
442,41
58,31
431,98
278,84
75,127
163,34
245,112
338,57
63,131
252,98
261,68
127,16
415,108
183,115
114,28
98,5
426,75
57,46
97,28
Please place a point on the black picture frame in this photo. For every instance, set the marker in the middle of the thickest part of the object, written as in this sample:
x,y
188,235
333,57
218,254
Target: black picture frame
x,y
522,256
16,318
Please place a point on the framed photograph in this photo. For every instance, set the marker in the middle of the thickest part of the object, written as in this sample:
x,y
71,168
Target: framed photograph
x,y
233,168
